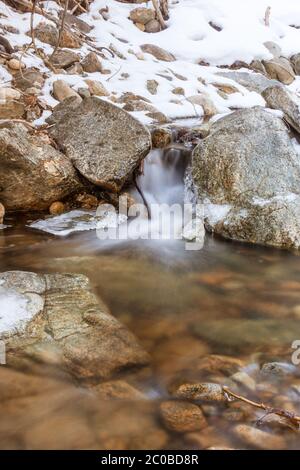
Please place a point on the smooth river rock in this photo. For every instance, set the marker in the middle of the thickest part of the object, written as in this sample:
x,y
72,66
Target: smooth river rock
x,y
67,326
105,143
33,174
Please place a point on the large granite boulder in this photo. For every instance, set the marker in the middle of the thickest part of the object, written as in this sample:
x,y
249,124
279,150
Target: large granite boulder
x,y
56,319
33,174
105,143
247,173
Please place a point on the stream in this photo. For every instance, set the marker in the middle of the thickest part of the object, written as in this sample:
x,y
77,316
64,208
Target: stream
x,y
226,299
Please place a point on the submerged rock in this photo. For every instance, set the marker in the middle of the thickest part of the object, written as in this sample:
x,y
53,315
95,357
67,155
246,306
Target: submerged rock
x,y
104,142
247,176
63,322
252,81
32,173
254,437
158,53
182,416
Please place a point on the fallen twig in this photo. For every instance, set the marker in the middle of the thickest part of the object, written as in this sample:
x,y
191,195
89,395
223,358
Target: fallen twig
x,y
268,409
61,28
267,16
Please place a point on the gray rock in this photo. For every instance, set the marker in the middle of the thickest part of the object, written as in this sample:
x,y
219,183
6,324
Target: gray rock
x,y
142,15
91,63
72,329
11,109
29,78
280,69
152,86
32,173
278,97
104,142
295,60
247,175
256,438
158,52
206,392
152,26
247,154
62,90
252,81
278,369
78,23
63,58
49,34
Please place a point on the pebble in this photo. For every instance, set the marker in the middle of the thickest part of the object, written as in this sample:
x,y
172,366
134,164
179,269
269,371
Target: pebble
x,y
2,213
62,90
161,137
57,208
254,437
15,64
278,369
207,392
242,378
9,94
181,416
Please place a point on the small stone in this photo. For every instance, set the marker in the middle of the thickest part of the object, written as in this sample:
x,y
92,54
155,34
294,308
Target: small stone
x,y
205,101
158,52
254,437
62,90
32,91
11,109
75,69
49,34
207,392
73,20
64,58
280,69
57,208
87,201
178,91
142,15
158,117
28,78
153,26
152,86
295,60
15,64
242,378
258,66
91,63
84,92
182,417
278,369
2,213
140,26
9,94
161,137
96,88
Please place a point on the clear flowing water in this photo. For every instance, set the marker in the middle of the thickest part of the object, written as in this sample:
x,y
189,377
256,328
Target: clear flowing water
x,y
227,299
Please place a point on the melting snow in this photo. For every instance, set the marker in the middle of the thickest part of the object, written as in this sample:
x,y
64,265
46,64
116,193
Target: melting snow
x,y
14,312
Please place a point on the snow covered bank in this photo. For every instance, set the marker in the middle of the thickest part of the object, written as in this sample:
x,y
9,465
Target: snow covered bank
x,y
214,32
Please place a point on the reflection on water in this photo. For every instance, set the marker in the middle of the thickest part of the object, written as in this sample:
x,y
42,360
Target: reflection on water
x,y
185,307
